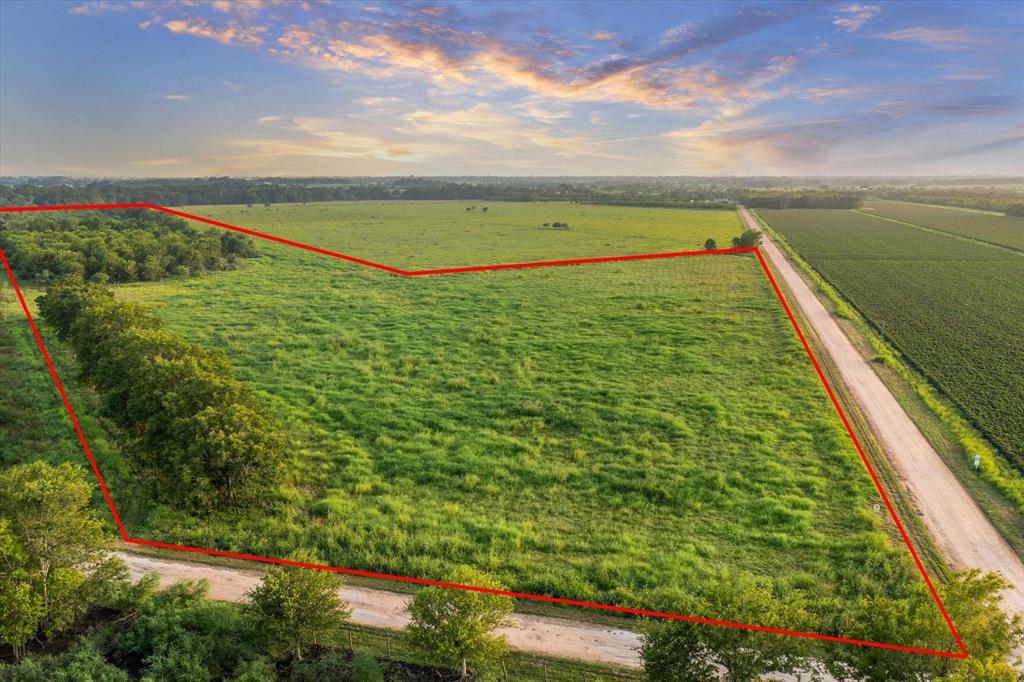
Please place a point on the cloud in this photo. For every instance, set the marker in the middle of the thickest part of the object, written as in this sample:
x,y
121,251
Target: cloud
x,y
851,18
314,137
602,36
231,33
266,120
233,86
486,124
177,97
679,32
99,7
378,102
729,145
934,38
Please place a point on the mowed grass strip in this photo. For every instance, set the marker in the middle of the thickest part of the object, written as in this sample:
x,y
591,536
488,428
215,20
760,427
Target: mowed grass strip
x,y
987,227
614,432
954,308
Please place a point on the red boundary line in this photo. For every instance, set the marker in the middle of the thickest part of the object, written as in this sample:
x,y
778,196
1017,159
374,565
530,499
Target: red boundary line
x,y
962,654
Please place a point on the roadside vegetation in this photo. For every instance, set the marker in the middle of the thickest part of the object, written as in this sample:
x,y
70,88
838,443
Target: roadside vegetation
x,y
951,307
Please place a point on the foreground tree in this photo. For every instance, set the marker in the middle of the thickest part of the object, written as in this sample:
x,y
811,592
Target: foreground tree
x,y
973,601
681,651
52,550
296,608
456,627
710,245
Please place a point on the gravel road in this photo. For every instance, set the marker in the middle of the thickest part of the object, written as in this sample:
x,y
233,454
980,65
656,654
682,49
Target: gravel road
x,y
960,529
539,635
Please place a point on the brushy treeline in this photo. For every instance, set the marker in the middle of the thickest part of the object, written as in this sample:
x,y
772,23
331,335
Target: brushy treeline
x,y
198,434
118,246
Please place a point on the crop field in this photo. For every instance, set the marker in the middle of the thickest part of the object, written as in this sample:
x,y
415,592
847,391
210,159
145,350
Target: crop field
x,y
987,227
954,308
618,432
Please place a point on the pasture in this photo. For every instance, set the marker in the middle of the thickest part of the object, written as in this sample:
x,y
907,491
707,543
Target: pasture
x,y
620,432
952,307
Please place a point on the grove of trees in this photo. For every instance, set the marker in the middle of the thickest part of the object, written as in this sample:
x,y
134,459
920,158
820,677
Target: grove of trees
x,y
197,434
117,246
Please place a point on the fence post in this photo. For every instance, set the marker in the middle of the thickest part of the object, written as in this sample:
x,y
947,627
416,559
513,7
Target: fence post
x,y
504,670
389,647
545,671
351,647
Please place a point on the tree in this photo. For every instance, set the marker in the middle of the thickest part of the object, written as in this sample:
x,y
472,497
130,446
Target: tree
x,y
51,543
21,606
484,209
747,239
710,245
295,608
687,652
228,455
973,601
455,626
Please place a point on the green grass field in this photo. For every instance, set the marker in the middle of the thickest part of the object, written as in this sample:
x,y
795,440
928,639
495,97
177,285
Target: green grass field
x,y
987,227
615,432
421,235
954,308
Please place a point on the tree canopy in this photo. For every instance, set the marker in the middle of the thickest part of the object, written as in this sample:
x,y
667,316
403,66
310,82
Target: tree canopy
x,y
457,626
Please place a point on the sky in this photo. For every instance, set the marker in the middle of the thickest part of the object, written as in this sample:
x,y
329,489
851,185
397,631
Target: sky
x,y
291,88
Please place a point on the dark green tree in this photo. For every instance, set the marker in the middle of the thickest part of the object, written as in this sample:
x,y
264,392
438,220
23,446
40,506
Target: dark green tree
x,y
747,239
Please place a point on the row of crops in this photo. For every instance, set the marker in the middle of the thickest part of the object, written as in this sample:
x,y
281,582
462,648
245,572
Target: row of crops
x,y
954,308
988,227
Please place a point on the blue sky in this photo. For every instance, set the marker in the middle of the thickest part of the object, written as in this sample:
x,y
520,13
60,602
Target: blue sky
x,y
272,87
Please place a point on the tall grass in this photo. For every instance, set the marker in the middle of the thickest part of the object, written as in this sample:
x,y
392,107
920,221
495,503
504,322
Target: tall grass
x,y
620,432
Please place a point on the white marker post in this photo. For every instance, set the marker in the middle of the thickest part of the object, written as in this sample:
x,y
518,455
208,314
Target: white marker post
x,y
977,462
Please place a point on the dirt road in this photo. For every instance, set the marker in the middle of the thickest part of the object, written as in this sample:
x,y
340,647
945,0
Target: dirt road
x,y
539,635
961,531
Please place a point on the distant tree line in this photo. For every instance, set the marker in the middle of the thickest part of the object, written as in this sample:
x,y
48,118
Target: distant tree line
x,y
197,434
267,192
117,245
802,200
995,194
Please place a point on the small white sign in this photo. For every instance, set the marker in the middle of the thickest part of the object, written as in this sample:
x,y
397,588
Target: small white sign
x,y
977,461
